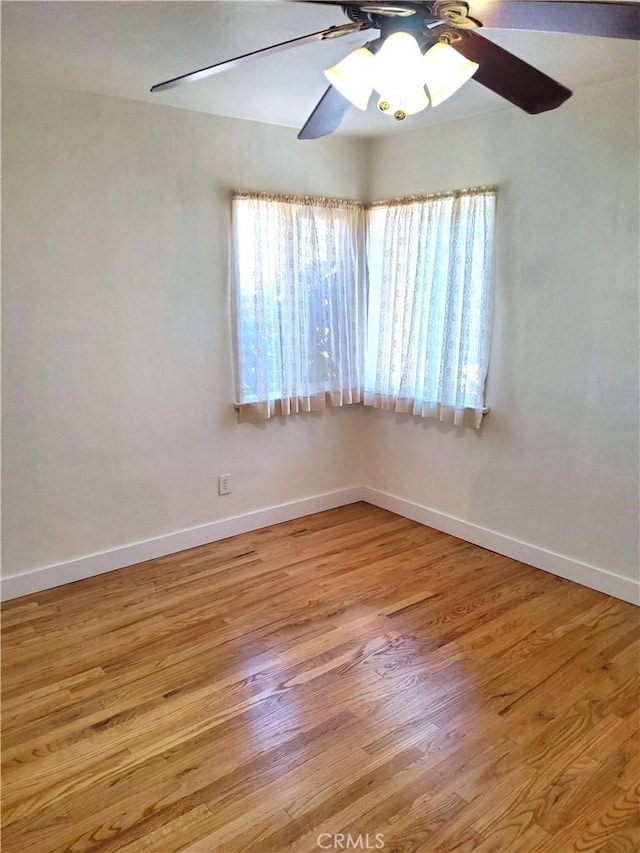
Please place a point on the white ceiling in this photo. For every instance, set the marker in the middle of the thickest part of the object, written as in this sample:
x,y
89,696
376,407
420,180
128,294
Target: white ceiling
x,y
123,48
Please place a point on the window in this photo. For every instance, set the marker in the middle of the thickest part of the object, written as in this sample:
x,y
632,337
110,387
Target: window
x,y
301,321
430,304
298,303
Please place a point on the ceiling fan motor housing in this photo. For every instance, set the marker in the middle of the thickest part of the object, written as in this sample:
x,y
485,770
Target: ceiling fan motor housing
x,y
416,19
454,12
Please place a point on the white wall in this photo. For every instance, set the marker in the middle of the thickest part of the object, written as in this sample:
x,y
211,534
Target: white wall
x,y
117,373
556,462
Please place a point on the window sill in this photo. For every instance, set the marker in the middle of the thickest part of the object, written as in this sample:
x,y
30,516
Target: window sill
x,y
485,411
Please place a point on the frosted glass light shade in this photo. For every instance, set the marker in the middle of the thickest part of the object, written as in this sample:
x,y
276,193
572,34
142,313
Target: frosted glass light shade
x,y
444,70
353,77
398,64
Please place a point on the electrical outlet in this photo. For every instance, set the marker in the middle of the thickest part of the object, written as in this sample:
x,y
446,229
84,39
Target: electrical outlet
x,y
224,484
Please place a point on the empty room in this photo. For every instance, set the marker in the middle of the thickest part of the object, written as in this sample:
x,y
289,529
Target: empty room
x,y
320,426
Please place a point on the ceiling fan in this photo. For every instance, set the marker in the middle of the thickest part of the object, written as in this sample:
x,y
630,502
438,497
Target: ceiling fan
x,y
426,49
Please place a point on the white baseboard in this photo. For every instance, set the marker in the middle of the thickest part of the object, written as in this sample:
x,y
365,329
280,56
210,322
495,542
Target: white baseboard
x,y
36,580
557,564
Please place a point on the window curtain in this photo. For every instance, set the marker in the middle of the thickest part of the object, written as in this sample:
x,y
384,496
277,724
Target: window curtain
x,y
430,304
298,303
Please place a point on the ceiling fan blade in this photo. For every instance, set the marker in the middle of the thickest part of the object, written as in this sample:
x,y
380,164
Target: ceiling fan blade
x,y
327,115
611,20
509,76
332,32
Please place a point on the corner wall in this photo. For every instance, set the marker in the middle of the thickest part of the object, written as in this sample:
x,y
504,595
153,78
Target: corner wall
x,y
117,371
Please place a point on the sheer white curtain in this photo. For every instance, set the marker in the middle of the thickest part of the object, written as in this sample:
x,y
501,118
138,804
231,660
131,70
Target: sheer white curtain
x,y
298,303
430,304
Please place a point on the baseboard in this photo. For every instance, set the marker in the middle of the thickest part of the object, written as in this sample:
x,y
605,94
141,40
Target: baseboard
x,y
15,586
594,577
557,564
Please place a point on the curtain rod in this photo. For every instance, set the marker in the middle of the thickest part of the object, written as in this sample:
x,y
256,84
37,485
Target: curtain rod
x,y
327,201
413,199
315,201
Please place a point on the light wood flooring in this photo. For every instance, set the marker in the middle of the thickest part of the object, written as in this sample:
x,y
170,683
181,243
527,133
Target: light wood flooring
x,y
348,678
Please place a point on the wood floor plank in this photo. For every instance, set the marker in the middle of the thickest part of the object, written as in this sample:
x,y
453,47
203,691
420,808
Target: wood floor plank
x,y
348,673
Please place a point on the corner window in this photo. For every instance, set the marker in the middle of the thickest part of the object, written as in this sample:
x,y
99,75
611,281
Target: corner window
x,y
336,304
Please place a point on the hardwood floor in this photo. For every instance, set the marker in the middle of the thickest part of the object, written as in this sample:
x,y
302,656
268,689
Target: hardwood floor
x,y
350,680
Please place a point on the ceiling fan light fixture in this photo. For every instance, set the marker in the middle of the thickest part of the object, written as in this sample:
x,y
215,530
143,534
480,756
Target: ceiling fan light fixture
x,y
444,71
353,77
398,76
